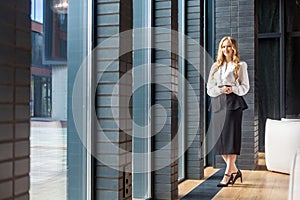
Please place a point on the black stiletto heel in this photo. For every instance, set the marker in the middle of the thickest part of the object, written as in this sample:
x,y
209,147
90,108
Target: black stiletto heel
x,y
226,184
236,175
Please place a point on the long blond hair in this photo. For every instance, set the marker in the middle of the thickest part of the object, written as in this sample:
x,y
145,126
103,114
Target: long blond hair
x,y
221,57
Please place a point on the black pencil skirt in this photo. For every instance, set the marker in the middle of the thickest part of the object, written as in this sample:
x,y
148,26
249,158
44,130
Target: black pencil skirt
x,y
227,121
229,141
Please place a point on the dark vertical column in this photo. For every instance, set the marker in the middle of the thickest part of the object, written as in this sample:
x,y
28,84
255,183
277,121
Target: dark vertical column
x,y
113,106
15,61
165,74
195,133
237,18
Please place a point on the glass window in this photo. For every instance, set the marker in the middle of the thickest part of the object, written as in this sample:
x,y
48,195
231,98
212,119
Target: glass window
x,y
268,19
37,10
268,74
36,49
60,163
141,165
292,77
292,15
42,96
181,91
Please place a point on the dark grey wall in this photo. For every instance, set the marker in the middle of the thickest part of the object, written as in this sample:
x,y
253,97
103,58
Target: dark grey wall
x,y
15,61
113,180
237,19
165,178
194,30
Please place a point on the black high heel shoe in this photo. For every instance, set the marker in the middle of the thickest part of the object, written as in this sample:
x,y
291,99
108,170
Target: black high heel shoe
x,y
236,175
226,184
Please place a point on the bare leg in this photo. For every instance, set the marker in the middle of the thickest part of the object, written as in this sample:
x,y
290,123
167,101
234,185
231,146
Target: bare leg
x,y
225,158
230,166
231,160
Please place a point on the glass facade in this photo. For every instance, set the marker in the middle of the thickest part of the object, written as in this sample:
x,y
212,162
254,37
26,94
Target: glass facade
x,y
278,34
292,72
292,107
181,91
48,135
61,165
79,99
141,181
268,70
60,40
65,43
268,74
268,16
55,145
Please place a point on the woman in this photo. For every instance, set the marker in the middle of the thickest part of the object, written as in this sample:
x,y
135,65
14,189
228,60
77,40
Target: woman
x,y
228,81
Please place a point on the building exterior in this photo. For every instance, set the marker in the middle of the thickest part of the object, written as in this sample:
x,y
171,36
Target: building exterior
x,y
117,147
40,98
49,69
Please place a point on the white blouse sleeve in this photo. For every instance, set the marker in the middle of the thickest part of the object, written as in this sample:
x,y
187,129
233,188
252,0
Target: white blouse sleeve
x,y
212,88
242,86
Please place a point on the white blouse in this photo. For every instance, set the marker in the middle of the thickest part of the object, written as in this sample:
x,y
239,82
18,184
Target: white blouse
x,y
225,76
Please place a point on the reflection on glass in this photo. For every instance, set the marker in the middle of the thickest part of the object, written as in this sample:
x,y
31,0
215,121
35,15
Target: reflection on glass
x,y
141,181
181,93
55,30
36,48
292,15
268,16
48,130
41,96
268,83
292,77
60,6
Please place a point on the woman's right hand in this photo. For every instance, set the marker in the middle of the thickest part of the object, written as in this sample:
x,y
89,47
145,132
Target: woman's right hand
x,y
226,90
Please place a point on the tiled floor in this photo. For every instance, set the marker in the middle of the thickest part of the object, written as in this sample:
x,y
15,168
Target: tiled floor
x,y
48,161
49,182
